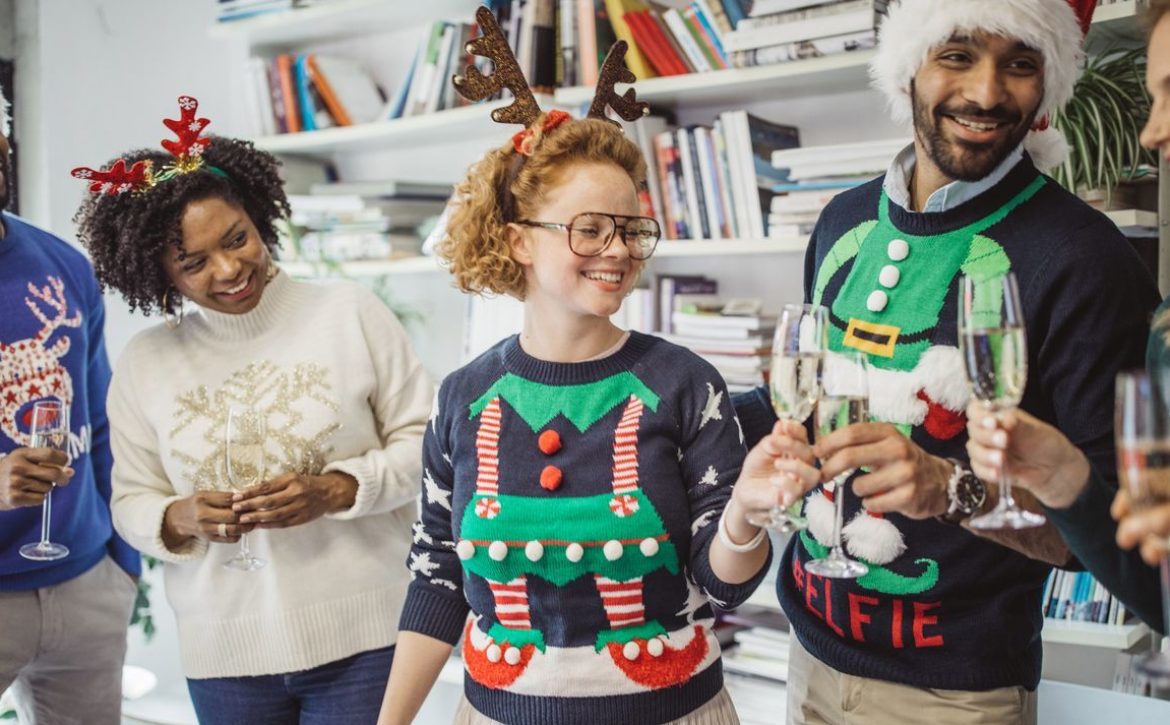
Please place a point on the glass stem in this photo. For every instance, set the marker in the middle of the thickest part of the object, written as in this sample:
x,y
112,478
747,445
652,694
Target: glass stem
x,y
838,514
1005,491
245,552
1166,594
46,514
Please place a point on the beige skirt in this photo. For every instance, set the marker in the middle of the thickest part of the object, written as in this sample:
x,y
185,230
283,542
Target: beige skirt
x,y
718,711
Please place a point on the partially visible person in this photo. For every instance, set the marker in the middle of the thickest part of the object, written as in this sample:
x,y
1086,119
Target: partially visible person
x,y
1041,459
308,637
63,622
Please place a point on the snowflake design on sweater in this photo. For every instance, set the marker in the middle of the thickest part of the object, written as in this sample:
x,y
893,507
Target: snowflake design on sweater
x,y
711,409
282,395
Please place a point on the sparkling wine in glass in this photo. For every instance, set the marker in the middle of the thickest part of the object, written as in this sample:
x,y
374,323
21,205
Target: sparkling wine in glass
x,y
1142,433
244,441
49,428
844,401
995,355
794,383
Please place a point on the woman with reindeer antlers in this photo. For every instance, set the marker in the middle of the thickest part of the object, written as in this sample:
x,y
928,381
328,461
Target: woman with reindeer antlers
x,y
575,474
308,637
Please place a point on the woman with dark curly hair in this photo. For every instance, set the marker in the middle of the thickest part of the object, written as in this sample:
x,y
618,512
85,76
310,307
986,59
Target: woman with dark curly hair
x,y
307,633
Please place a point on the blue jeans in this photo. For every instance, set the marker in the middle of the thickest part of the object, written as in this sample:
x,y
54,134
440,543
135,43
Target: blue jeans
x,y
345,692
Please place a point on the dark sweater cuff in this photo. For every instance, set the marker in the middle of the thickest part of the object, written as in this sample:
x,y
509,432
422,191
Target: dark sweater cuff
x,y
433,614
756,417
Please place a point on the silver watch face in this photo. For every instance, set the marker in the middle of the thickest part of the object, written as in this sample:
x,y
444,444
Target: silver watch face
x,y
970,493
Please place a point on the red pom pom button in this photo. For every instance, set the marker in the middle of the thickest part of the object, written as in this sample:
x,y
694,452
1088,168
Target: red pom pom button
x,y
549,442
550,478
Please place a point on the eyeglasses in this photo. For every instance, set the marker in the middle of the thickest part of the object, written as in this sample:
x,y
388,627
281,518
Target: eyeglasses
x,y
591,232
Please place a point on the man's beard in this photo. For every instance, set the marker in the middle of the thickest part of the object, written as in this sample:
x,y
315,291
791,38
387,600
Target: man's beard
x,y
959,159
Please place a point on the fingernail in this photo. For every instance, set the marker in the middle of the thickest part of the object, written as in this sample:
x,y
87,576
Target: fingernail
x,y
988,422
237,497
236,507
245,519
996,458
999,439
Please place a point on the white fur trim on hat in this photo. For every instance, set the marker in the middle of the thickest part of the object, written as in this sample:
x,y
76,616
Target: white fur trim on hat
x,y
1048,148
5,119
873,539
913,27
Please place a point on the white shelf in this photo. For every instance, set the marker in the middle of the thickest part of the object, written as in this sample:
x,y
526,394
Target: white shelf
x,y
728,247
816,76
1133,217
1092,634
364,268
666,249
432,129
339,19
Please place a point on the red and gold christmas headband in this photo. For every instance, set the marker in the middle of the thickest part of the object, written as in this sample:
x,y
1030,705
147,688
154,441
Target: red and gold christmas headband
x,y
187,150
524,110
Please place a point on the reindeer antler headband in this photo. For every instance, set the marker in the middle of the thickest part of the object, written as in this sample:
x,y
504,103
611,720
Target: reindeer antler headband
x,y
187,150
524,110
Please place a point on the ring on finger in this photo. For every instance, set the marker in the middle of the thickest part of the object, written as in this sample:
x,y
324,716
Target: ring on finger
x,y
222,530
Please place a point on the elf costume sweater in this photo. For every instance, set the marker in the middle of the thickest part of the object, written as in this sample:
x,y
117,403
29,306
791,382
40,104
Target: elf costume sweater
x,y
51,347
571,507
940,607
340,389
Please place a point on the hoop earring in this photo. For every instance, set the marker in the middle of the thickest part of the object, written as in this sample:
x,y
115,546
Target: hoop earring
x,y
172,321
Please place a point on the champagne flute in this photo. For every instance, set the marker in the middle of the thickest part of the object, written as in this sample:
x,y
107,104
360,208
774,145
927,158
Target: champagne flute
x,y
49,429
1142,433
995,354
244,440
794,381
844,401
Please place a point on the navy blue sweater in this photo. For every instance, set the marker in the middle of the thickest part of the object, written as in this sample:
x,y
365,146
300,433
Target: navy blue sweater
x,y
955,611
571,509
51,321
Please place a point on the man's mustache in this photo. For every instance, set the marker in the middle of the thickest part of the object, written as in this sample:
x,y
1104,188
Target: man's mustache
x,y
983,115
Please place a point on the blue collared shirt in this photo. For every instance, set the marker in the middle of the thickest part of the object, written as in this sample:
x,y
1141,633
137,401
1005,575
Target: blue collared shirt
x,y
897,183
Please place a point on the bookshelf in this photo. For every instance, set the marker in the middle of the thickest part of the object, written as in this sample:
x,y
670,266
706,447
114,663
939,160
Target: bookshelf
x,y
1133,218
337,20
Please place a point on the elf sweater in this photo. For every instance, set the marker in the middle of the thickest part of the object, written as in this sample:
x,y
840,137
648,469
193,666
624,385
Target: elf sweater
x,y
571,508
333,372
940,607
51,346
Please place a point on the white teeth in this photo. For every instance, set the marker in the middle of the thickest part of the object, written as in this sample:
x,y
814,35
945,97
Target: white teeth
x,y
238,288
611,277
976,126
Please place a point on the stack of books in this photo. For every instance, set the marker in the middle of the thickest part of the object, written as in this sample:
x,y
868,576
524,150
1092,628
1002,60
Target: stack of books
x,y
305,91
783,30
738,346
363,221
231,10
815,174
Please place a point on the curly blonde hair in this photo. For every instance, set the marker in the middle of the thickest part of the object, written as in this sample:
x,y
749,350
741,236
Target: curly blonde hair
x,y
505,186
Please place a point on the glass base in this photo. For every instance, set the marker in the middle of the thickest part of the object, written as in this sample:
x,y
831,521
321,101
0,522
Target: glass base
x,y
784,521
44,551
242,562
1006,518
836,568
1155,667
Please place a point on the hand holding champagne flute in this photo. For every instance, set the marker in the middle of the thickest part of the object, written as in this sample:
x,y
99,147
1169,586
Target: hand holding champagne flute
x,y
1142,433
245,468
49,428
794,382
995,354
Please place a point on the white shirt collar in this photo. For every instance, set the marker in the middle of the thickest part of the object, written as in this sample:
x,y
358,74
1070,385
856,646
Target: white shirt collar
x,y
897,182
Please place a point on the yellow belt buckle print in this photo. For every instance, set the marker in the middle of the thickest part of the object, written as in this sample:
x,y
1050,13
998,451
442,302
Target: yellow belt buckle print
x,y
871,337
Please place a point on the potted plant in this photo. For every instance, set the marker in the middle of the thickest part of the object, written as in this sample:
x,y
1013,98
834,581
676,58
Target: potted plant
x,y
1102,123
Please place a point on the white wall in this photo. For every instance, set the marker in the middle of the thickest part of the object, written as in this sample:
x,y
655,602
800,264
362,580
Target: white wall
x,y
96,78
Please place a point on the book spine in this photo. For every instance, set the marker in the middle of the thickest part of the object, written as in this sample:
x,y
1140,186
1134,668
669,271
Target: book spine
x,y
686,41
635,60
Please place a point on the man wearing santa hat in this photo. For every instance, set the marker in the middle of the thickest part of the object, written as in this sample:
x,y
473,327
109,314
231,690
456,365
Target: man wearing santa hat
x,y
945,625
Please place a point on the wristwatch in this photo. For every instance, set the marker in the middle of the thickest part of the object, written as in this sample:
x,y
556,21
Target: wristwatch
x,y
966,494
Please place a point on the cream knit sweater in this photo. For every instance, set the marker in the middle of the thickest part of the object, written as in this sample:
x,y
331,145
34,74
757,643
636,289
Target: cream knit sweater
x,y
334,372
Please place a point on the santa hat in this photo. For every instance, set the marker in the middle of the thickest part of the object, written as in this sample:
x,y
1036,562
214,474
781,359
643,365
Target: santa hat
x,y
1056,28
5,119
